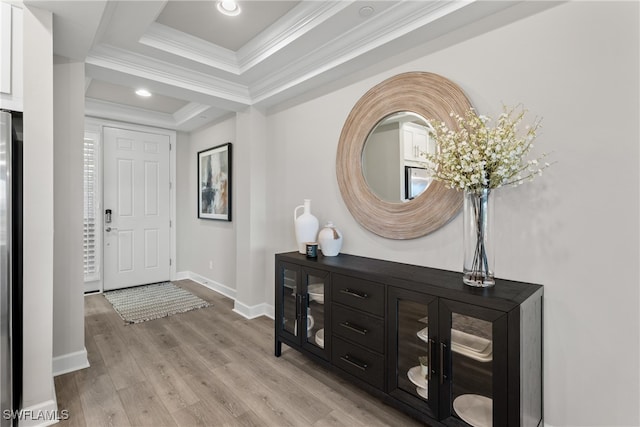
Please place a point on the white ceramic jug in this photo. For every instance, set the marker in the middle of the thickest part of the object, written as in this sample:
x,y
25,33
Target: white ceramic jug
x,y
330,240
306,226
310,323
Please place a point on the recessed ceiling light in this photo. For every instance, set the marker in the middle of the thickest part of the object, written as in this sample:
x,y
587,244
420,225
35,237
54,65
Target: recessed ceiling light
x,y
143,92
366,11
229,8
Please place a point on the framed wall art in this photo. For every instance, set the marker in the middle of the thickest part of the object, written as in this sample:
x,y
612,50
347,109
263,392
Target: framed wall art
x,y
214,183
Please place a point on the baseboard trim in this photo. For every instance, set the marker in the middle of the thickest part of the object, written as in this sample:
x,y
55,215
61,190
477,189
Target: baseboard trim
x,y
70,362
270,311
208,283
250,312
42,414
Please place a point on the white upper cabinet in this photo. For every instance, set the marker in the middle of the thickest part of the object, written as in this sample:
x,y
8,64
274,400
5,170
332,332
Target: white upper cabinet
x,y
11,57
415,141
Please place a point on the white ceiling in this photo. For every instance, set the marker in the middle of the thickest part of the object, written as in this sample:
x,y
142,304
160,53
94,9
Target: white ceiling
x,y
201,19
202,66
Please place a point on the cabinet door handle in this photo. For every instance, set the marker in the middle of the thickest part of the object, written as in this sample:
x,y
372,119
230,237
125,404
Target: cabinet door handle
x,y
353,293
354,328
354,362
431,342
443,348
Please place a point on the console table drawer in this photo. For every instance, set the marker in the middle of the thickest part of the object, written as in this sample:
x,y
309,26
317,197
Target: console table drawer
x,y
358,327
358,293
364,364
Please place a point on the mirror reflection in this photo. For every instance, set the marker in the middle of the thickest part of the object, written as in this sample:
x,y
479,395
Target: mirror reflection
x,y
394,161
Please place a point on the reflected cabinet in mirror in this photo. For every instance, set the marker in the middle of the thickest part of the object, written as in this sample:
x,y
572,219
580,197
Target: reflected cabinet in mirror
x,y
394,157
381,160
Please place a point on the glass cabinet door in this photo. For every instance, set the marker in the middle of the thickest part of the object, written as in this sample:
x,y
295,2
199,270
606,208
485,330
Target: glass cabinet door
x,y
315,334
289,277
413,321
472,350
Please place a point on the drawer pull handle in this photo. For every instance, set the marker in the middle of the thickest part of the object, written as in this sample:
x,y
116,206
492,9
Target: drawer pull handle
x,y
354,328
354,362
352,293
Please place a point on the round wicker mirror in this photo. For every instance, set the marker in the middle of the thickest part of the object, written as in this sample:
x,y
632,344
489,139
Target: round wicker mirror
x,y
428,95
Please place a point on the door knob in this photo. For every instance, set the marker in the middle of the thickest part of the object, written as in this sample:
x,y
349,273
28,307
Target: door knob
x,y
108,229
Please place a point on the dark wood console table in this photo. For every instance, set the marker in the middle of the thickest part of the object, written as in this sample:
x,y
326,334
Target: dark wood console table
x,y
417,337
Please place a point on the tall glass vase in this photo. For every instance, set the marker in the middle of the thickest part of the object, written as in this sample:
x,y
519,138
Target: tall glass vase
x,y
478,267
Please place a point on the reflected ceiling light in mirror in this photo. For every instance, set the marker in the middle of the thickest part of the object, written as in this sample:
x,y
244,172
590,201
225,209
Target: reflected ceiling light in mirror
x,y
229,8
143,93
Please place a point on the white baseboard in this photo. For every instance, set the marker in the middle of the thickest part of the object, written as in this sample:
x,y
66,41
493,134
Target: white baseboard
x,y
270,311
42,414
250,312
70,362
206,282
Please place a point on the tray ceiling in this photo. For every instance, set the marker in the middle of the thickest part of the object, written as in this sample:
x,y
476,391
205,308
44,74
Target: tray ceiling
x,y
202,66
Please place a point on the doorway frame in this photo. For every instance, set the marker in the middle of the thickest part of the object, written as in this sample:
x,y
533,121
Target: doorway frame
x,y
94,124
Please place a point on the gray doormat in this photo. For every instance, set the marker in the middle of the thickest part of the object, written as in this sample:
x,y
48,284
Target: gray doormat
x,y
154,301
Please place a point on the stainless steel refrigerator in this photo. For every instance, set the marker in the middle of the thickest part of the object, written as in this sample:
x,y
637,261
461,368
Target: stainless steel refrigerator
x,y
416,180
10,265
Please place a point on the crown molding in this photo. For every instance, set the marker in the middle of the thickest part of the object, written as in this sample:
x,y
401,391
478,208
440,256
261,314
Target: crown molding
x,y
189,47
190,111
113,111
397,21
303,18
187,119
124,61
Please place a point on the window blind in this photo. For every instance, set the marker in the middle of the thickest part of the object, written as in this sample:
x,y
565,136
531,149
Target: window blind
x,y
91,251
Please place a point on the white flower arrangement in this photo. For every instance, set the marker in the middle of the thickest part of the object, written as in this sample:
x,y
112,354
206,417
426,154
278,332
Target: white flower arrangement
x,y
479,156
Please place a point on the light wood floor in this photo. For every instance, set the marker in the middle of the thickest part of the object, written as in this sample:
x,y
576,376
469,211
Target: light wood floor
x,y
207,367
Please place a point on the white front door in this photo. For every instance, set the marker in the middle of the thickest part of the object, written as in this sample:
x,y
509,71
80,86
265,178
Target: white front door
x,y
136,191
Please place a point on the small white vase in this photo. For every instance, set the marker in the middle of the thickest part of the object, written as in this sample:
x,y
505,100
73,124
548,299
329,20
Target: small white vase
x,y
306,226
330,239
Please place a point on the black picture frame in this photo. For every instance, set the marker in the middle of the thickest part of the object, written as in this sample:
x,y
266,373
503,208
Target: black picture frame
x,y
214,183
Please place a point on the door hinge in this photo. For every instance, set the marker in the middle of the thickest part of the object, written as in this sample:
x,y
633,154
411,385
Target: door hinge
x,y
169,223
170,185
169,261
169,147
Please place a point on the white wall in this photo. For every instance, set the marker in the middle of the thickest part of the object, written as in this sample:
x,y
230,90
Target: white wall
x,y
208,250
37,380
68,275
575,230
185,200
200,240
251,196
